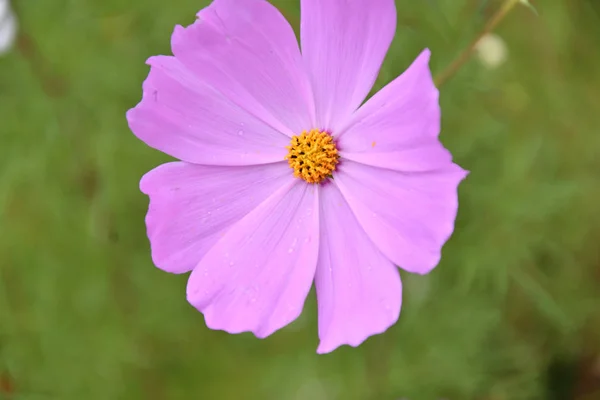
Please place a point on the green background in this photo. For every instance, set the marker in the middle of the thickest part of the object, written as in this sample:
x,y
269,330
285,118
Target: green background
x,y
512,312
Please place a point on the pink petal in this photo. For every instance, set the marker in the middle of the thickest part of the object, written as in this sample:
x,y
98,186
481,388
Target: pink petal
x,y
187,119
409,216
344,44
248,51
398,127
193,206
258,275
358,289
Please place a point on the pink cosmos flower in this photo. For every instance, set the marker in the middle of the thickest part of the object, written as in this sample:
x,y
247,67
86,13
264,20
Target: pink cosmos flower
x,y
285,177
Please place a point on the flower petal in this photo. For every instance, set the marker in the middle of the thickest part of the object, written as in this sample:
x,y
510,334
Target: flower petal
x,y
398,127
344,44
189,120
248,51
258,275
358,289
192,206
409,216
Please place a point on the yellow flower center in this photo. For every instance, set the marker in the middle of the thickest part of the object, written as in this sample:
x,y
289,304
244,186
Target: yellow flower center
x,y
312,155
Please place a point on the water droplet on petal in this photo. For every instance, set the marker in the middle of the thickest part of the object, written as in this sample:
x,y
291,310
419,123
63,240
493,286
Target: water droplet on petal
x,y
385,304
240,132
293,245
252,293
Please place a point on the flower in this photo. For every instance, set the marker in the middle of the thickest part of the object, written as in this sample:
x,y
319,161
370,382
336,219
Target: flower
x,y
285,177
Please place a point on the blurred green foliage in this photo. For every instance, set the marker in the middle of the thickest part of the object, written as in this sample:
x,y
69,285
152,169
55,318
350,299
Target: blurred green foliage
x,y
85,315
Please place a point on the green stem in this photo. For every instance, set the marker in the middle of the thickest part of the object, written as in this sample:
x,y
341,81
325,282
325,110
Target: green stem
x,y
464,56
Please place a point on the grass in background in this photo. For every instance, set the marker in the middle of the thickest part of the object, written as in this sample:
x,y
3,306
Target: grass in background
x,y
512,312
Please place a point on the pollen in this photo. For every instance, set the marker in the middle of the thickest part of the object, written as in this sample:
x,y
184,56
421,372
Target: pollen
x,y
313,156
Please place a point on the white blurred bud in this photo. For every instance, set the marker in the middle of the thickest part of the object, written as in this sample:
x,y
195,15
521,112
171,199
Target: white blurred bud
x,y
8,27
491,50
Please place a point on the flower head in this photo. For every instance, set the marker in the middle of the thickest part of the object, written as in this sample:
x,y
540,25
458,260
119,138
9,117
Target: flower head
x,y
285,178
313,156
